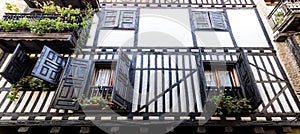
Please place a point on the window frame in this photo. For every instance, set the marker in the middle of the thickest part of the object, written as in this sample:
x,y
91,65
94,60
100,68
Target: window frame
x,y
122,17
222,66
214,20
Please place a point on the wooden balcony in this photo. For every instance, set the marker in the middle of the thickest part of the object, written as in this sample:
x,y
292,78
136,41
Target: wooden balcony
x,y
285,19
62,41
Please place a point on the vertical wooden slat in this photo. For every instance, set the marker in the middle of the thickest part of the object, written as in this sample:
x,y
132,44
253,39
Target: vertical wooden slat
x,y
46,107
40,102
167,85
32,101
13,104
23,102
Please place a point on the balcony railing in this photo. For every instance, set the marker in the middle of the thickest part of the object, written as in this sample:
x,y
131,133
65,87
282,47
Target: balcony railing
x,y
227,91
62,38
284,18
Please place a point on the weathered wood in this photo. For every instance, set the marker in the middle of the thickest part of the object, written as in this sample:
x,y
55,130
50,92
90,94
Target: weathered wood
x,y
61,42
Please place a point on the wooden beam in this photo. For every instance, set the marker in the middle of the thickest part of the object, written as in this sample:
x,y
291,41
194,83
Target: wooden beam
x,y
55,130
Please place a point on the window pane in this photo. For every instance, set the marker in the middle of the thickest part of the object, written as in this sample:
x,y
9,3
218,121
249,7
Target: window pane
x,y
210,78
224,78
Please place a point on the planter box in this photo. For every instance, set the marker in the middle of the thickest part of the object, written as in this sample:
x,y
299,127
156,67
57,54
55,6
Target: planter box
x,y
33,43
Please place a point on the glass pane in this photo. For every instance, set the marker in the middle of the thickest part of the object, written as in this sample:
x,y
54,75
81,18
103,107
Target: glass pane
x,y
210,78
225,78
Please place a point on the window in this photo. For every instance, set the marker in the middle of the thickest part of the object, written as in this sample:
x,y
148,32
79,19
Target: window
x,y
221,77
124,19
208,20
234,78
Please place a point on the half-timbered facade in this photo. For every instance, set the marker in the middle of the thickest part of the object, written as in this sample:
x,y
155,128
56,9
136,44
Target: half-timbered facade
x,y
163,61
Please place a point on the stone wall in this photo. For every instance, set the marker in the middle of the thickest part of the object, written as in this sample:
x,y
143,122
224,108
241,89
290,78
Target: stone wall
x,y
290,64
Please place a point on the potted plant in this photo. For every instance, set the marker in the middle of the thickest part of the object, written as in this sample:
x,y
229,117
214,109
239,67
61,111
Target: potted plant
x,y
229,105
93,103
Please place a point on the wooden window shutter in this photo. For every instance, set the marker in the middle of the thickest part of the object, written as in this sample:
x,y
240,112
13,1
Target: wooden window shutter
x,y
127,19
201,20
72,84
247,81
49,66
18,66
122,92
111,19
218,20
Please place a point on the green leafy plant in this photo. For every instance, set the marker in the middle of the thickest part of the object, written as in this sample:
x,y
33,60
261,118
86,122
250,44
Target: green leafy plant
x,y
279,17
67,21
9,25
85,101
12,7
30,83
227,105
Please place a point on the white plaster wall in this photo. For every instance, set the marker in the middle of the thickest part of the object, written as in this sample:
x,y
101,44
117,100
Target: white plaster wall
x,y
164,28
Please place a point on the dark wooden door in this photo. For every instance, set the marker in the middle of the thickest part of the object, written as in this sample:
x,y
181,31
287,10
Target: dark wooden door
x,y
72,84
18,66
249,87
49,66
122,92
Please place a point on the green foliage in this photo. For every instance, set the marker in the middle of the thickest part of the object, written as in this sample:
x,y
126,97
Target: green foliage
x,y
230,105
12,25
12,7
104,104
85,101
65,22
9,25
30,83
279,17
